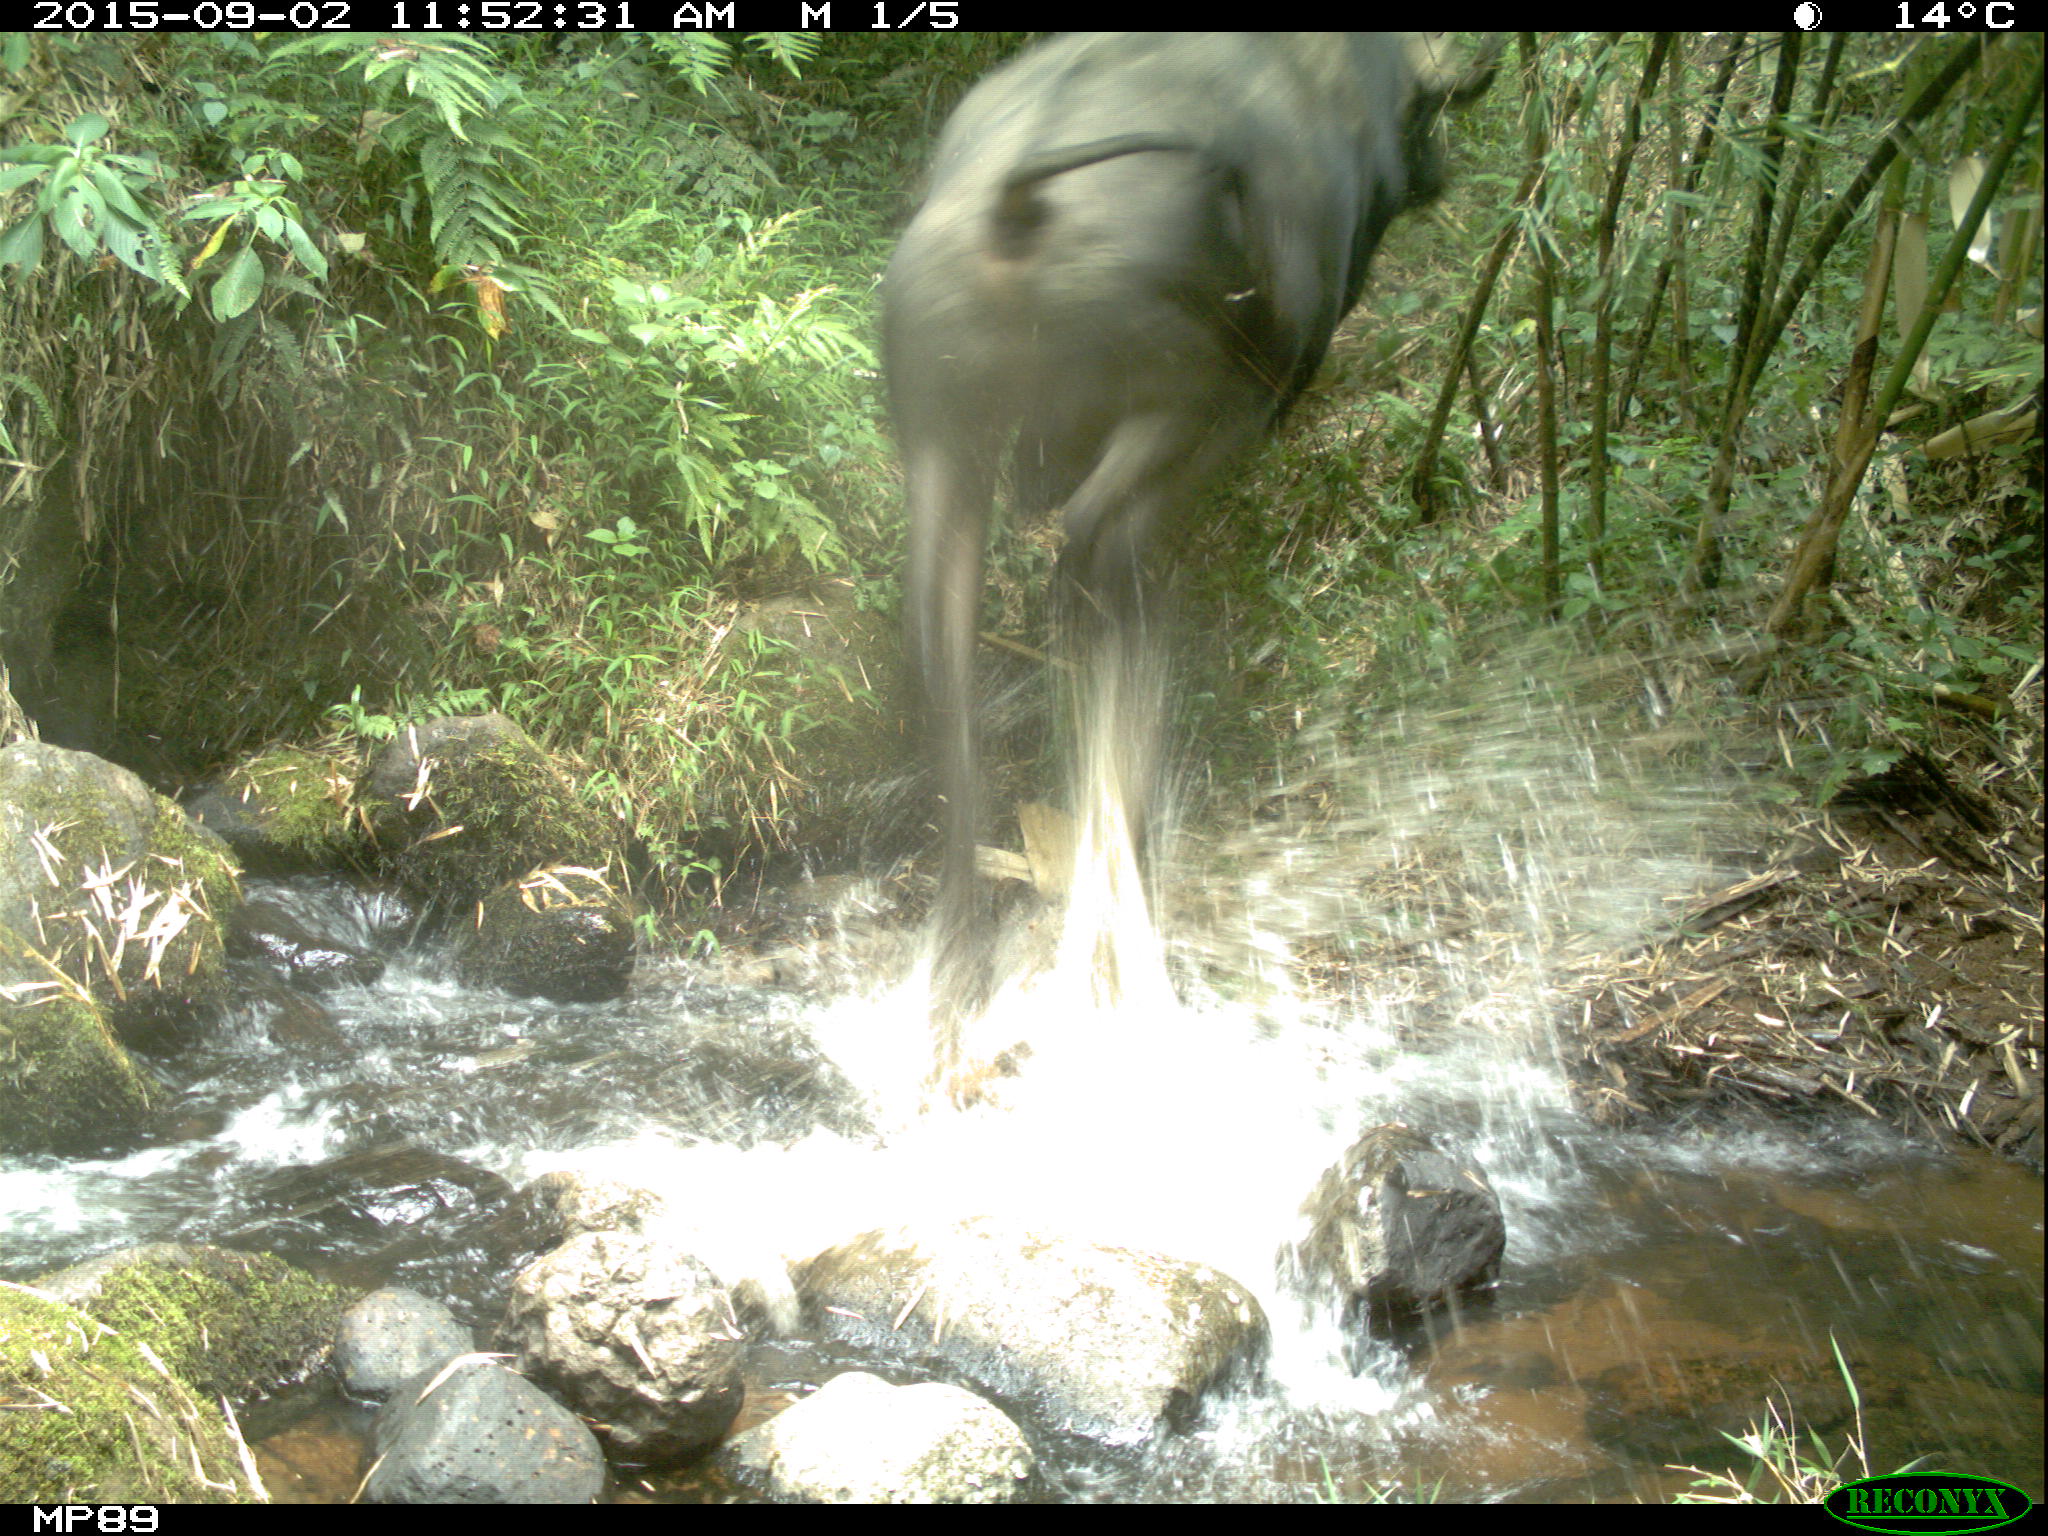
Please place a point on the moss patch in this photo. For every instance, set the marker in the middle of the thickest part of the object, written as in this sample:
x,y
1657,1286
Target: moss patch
x,y
65,1081
303,803
87,1415
236,1325
490,807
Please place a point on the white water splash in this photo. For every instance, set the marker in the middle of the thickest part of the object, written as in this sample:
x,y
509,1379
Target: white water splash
x,y
1168,1117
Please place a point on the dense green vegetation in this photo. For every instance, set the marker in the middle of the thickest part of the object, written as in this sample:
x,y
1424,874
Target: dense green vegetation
x,y
347,379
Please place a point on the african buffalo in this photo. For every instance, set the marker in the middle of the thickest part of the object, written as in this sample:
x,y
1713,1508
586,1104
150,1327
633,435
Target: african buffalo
x,y
1132,256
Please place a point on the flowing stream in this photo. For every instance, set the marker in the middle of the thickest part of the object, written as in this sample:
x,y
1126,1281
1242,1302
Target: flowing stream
x,y
1657,1288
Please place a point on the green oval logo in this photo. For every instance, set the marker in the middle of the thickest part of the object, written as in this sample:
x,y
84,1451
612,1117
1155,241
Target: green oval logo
x,y
1927,1501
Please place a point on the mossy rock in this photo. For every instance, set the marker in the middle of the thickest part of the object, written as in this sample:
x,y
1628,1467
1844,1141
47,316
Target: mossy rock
x,y
117,885
92,1417
560,933
460,806
66,1083
286,812
234,1325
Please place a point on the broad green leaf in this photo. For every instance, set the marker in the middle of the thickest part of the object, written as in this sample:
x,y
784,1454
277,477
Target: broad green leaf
x,y
115,191
136,244
77,218
21,176
22,246
239,286
85,129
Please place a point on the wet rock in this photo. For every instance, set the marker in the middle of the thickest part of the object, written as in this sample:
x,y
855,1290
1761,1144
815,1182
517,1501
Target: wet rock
x,y
1108,1344
472,1432
392,1335
264,931
116,885
66,1084
238,1325
399,1201
1397,1226
859,1440
347,913
567,1203
559,933
636,1335
558,1206
460,805
287,1018
285,812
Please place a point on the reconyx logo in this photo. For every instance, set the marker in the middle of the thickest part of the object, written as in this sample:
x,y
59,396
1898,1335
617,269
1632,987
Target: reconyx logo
x,y
1927,1501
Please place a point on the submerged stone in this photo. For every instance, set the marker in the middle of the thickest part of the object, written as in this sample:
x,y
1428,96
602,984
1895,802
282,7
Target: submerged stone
x,y
1110,1345
264,931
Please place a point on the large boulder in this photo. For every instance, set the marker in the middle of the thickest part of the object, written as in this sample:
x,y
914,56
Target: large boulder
x,y
95,1416
66,1083
115,884
859,1440
472,1432
636,1335
1397,1226
236,1325
460,805
285,812
560,933
1107,1344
